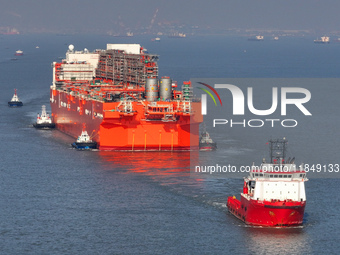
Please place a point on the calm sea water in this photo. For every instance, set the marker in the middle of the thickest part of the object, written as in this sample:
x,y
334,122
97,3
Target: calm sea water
x,y
56,200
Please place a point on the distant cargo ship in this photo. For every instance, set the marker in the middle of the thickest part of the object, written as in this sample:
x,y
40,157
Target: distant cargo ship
x,y
256,38
128,34
177,35
8,31
323,39
117,94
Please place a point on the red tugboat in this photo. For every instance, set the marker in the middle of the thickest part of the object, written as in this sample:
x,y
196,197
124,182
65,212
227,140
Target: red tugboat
x,y
274,194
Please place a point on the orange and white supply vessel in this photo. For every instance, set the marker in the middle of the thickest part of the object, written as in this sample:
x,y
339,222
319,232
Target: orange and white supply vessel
x,y
273,195
117,94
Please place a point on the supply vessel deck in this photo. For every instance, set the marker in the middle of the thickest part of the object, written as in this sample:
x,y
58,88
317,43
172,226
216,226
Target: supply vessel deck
x,y
117,95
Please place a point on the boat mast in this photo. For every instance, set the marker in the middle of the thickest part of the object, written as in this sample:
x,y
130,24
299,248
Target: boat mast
x,y
278,150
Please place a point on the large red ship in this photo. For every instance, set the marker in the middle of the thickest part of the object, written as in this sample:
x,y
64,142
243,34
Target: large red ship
x,y
117,95
273,195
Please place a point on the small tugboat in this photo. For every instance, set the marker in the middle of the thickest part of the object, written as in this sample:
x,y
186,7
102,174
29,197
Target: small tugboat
x,y
15,102
274,194
44,120
84,142
206,143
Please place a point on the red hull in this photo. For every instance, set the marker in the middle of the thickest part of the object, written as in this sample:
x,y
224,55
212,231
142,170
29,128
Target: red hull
x,y
267,213
113,130
207,148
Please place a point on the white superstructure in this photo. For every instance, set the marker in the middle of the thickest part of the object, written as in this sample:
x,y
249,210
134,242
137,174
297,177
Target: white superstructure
x,y
44,118
15,97
84,137
278,180
128,48
283,185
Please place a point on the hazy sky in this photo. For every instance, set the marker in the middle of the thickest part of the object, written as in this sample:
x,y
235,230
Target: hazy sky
x,y
73,15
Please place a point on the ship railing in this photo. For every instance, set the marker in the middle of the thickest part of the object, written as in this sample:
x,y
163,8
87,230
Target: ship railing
x,y
185,107
125,108
279,175
249,195
163,112
169,117
159,109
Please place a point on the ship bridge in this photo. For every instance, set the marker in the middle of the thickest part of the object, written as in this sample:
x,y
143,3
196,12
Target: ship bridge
x,y
279,180
282,184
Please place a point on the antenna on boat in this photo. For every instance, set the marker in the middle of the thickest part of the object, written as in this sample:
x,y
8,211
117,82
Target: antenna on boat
x,y
278,150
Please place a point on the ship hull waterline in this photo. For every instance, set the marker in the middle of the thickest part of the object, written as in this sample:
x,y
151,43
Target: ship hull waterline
x,y
267,214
